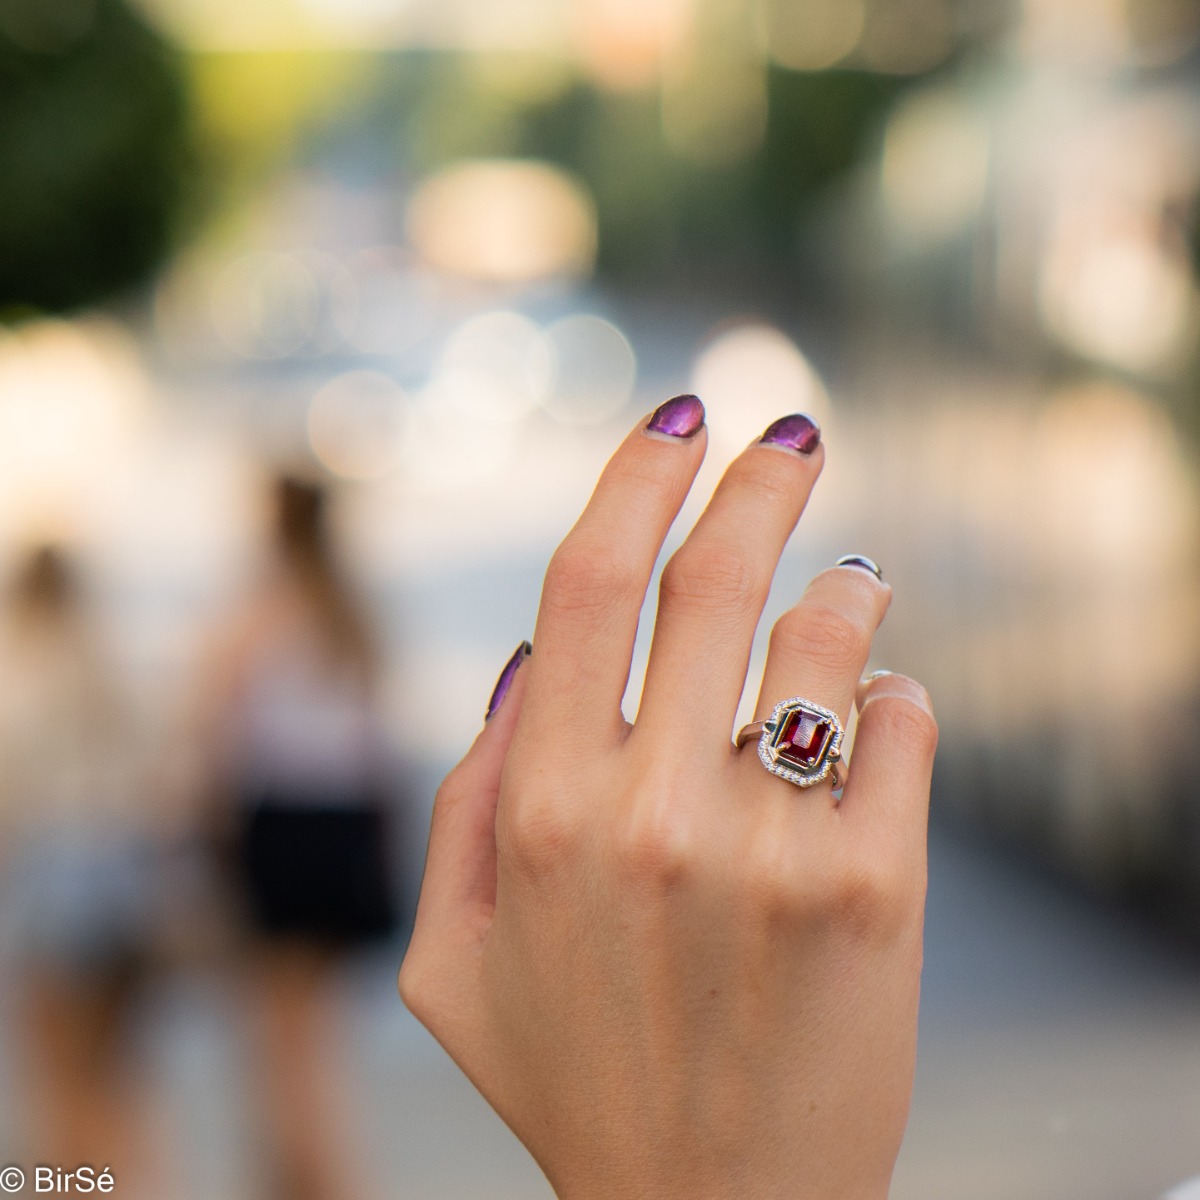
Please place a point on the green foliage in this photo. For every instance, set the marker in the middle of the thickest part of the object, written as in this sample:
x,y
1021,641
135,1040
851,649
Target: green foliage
x,y
94,147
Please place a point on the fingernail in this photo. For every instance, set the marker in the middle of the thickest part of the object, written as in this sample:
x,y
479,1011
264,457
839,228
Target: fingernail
x,y
862,562
902,689
798,432
680,417
504,683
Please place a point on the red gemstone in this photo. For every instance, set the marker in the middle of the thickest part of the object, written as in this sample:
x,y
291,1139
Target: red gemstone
x,y
803,738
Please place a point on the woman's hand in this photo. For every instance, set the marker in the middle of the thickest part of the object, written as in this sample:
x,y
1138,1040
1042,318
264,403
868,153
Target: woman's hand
x,y
672,973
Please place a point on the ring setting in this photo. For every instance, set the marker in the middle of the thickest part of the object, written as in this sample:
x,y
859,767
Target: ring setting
x,y
800,742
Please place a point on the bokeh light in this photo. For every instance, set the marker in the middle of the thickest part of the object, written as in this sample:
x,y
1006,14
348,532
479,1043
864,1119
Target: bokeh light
x,y
397,301
623,42
1078,32
714,109
751,374
594,370
1112,480
908,37
358,424
451,454
504,222
935,164
1113,291
811,35
72,405
271,304
496,368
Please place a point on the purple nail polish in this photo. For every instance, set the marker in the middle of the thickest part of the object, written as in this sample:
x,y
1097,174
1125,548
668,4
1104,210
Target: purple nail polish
x,y
523,651
797,432
861,561
680,417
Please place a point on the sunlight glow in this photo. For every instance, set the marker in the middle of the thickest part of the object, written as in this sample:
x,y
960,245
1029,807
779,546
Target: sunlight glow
x,y
504,221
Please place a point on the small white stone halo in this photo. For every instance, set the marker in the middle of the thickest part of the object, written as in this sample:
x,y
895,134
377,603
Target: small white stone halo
x,y
821,755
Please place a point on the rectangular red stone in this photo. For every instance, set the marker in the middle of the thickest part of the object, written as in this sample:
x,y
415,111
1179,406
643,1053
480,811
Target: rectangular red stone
x,y
803,738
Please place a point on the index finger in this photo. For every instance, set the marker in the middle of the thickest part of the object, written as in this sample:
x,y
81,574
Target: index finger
x,y
597,580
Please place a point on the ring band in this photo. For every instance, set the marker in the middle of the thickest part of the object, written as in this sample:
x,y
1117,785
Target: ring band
x,y
800,742
862,562
749,733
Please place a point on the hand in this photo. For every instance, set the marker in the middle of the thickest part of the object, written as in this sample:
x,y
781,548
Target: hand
x,y
672,973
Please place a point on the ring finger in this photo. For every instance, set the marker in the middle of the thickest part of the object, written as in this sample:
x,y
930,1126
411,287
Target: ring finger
x,y
820,646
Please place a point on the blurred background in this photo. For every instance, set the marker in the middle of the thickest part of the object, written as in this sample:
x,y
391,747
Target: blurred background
x,y
428,262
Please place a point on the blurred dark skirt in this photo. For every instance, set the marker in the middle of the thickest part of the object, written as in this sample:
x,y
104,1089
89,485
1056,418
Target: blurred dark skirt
x,y
320,874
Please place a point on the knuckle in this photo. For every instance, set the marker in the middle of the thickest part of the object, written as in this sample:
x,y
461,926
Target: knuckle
x,y
874,896
450,794
535,840
415,987
824,637
586,580
713,578
774,883
906,724
641,476
861,896
427,985
655,848
770,479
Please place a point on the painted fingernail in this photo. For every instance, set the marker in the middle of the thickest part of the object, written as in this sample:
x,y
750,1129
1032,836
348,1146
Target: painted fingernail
x,y
504,683
862,562
798,432
680,417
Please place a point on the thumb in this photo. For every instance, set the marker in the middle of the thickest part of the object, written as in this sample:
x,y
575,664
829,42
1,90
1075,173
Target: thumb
x,y
458,892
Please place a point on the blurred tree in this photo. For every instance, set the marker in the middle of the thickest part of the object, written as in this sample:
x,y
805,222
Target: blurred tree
x,y
658,209
256,113
95,138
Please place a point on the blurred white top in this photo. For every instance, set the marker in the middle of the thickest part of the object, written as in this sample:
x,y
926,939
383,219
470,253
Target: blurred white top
x,y
67,741
304,726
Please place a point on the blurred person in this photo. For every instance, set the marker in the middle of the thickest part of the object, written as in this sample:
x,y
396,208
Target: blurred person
x,y
77,856
676,965
294,761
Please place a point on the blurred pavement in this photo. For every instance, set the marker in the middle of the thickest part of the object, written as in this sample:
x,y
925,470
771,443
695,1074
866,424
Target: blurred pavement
x,y
1060,1060
1060,1047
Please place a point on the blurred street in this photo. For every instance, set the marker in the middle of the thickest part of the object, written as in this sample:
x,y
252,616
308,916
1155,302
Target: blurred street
x,y
419,265
1060,1043
1059,1058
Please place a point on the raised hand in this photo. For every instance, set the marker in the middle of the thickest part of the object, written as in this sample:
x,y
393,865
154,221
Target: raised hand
x,y
671,972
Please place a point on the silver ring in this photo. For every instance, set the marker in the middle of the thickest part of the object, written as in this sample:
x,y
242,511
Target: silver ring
x,y
861,561
800,742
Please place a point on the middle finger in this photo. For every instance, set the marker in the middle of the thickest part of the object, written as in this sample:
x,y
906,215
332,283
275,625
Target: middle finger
x,y
715,585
